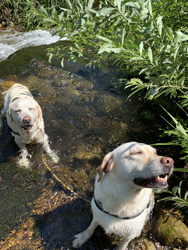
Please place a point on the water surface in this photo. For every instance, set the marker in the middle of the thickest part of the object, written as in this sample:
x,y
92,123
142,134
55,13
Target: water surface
x,y
86,116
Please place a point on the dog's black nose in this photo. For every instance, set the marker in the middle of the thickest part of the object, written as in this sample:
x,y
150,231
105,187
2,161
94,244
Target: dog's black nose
x,y
27,119
169,162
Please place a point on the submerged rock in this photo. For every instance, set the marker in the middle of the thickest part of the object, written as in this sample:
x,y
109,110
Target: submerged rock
x,y
170,231
142,244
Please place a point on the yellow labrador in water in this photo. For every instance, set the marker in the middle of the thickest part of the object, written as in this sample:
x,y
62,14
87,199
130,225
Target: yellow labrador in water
x,y
123,195
24,117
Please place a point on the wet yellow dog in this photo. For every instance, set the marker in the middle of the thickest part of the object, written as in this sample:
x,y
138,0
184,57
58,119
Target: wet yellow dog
x,y
24,117
123,197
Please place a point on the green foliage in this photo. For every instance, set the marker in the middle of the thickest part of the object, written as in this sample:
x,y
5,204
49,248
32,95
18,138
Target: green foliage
x,y
177,196
179,137
178,134
17,12
174,13
22,12
130,32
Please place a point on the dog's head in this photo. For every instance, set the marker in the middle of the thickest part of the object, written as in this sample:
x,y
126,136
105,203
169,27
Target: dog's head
x,y
25,112
138,164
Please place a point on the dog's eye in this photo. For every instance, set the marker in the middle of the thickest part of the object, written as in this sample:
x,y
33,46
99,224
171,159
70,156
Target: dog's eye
x,y
136,153
18,111
31,109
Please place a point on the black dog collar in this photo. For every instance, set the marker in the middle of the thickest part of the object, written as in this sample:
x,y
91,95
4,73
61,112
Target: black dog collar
x,y
99,206
14,132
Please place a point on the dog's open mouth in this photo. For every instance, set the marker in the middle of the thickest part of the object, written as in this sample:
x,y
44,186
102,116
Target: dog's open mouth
x,y
27,127
153,182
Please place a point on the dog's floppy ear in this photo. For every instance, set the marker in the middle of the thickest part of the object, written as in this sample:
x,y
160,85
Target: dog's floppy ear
x,y
107,165
39,112
9,114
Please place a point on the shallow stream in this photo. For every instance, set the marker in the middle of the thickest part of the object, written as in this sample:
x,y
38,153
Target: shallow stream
x,y
85,116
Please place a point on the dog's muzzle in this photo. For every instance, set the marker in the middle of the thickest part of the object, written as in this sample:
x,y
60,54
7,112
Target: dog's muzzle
x,y
27,125
160,180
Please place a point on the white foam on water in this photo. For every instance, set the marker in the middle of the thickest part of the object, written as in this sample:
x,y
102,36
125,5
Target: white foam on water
x,y
11,42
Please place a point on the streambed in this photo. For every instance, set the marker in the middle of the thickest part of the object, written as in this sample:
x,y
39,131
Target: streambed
x,y
85,116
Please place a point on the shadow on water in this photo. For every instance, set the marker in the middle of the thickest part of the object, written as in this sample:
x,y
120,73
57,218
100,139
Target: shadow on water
x,y
67,218
85,117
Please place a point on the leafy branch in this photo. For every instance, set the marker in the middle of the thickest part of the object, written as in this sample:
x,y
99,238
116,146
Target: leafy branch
x,y
179,200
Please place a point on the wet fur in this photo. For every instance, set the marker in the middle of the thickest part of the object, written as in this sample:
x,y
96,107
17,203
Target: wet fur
x,y
116,191
19,96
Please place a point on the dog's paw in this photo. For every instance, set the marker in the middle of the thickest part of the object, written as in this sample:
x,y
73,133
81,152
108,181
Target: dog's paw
x,y
54,157
23,163
78,240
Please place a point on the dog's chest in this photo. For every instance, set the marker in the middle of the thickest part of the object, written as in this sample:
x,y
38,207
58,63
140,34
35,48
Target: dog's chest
x,y
35,137
123,227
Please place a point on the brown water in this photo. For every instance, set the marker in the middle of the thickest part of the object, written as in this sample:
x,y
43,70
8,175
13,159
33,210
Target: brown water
x,y
85,117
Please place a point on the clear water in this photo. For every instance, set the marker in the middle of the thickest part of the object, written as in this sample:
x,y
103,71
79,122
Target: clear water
x,y
86,116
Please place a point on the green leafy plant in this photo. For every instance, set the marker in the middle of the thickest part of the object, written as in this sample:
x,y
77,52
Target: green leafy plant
x,y
178,134
179,137
18,13
177,196
131,33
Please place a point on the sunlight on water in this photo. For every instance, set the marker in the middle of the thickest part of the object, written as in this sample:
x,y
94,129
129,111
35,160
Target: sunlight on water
x,y
85,116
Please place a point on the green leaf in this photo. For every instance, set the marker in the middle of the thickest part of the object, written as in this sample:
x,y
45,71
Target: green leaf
x,y
42,11
179,127
104,39
170,33
90,4
160,24
104,48
105,11
69,4
138,58
133,4
62,62
150,54
175,189
116,50
141,46
180,36
118,3
122,36
49,21
184,170
153,93
181,82
67,10
143,70
150,8
88,9
185,196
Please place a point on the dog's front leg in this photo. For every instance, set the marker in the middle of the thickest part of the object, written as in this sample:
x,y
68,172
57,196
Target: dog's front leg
x,y
23,160
84,236
124,244
47,149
